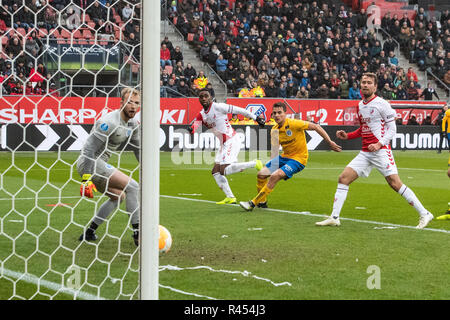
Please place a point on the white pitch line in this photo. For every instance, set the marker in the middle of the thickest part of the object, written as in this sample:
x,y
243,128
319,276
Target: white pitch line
x,y
307,213
29,278
187,293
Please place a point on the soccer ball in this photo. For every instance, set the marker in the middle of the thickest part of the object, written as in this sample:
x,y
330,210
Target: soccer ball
x,y
165,239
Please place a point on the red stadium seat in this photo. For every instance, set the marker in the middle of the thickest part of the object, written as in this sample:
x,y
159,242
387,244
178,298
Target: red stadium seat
x,y
190,37
175,20
87,34
77,34
22,31
169,69
55,33
65,34
43,33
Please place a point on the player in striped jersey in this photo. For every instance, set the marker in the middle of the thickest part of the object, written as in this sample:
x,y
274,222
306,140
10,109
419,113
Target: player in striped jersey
x,y
377,128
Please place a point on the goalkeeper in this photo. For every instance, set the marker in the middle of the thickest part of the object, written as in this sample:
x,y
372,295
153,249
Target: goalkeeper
x,y
106,137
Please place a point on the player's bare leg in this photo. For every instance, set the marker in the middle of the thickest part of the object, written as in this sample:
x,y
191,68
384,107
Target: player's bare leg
x,y
396,184
345,179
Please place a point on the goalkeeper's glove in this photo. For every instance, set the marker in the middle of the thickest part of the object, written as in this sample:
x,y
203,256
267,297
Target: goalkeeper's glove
x,y
87,186
261,122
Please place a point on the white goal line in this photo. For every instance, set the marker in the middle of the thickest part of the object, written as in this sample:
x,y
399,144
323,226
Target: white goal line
x,y
307,213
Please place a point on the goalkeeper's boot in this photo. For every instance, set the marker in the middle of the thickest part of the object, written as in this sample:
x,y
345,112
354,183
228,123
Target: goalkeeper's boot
x,y
259,165
424,220
262,205
136,237
227,201
89,235
247,205
331,221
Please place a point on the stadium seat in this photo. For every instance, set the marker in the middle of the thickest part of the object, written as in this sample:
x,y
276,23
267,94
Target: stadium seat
x,y
91,25
55,33
117,18
87,34
84,42
43,33
77,34
22,31
169,69
175,20
190,37
87,18
65,34
62,42
4,40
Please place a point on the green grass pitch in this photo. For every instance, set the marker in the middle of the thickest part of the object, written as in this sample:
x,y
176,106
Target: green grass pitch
x,y
222,252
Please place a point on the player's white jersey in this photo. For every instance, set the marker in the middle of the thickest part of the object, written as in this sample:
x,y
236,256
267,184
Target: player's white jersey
x,y
374,116
216,119
113,131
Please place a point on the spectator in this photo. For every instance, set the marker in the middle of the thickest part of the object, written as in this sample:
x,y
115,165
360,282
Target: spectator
x,y
412,92
165,56
182,88
393,61
427,121
354,93
189,73
401,93
412,121
303,93
428,92
221,65
386,92
271,91
201,81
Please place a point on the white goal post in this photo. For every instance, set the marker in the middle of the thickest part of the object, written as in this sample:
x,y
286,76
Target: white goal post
x,y
151,21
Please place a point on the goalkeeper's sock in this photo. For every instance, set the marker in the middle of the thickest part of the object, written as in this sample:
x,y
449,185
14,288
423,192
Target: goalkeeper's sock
x,y
239,167
132,200
260,183
222,182
409,196
339,199
103,213
262,195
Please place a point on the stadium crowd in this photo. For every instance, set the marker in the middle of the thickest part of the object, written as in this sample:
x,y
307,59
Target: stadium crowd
x,y
300,49
26,26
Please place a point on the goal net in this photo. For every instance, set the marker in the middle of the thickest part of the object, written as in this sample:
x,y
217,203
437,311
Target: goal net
x,y
64,64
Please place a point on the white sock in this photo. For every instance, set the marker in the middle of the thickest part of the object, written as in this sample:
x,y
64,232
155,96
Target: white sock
x,y
222,182
409,196
339,199
238,167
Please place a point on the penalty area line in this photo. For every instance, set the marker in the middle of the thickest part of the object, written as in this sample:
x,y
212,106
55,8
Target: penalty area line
x,y
32,279
307,213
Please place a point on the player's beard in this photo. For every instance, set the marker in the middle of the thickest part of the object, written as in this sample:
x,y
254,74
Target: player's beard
x,y
367,94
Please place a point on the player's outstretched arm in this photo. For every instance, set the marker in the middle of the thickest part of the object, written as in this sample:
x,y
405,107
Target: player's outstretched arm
x,y
333,145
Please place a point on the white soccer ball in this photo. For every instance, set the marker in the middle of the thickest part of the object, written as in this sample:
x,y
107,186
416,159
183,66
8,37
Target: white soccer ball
x,y
165,240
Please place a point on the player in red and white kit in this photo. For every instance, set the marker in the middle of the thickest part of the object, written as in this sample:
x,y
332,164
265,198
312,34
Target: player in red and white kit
x,y
215,117
377,129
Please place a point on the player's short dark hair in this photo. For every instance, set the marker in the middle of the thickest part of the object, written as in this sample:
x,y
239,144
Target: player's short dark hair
x,y
371,75
203,90
280,105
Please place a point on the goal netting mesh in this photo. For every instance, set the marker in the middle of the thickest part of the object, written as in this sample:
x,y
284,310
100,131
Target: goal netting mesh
x,y
63,65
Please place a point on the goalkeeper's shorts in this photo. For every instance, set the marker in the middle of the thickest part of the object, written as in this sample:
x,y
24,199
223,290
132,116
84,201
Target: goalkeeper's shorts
x,y
102,172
